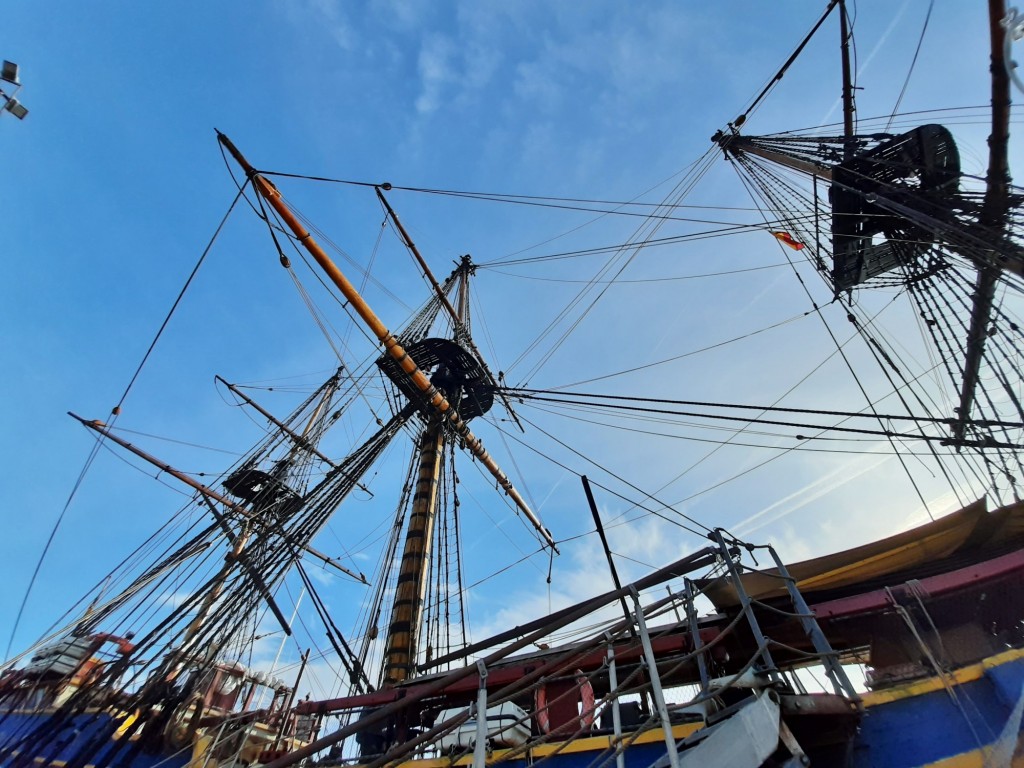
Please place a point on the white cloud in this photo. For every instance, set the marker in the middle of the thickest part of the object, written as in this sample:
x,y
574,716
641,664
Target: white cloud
x,y
436,73
404,14
330,17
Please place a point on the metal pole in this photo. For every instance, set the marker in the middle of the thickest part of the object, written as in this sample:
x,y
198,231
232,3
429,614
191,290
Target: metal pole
x,y
652,670
755,627
613,684
604,543
698,643
835,670
480,746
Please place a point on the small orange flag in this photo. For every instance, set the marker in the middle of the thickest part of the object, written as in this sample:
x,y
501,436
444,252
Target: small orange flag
x,y
787,239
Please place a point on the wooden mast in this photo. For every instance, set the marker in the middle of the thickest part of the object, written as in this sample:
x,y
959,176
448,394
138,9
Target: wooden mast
x,y
460,316
993,215
387,339
407,608
402,640
984,244
844,47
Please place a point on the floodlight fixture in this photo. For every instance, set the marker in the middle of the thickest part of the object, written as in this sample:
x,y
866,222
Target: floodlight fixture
x,y
9,72
16,108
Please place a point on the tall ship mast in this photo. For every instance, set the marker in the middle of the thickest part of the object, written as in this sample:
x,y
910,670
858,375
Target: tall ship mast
x,y
903,651
899,217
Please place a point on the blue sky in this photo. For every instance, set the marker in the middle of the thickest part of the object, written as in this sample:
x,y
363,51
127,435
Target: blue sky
x,y
114,184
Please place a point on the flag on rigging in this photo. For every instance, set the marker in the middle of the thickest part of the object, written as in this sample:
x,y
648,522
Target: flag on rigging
x,y
787,239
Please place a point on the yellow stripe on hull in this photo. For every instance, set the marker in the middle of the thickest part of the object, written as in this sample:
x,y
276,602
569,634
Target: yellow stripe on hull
x,y
587,744
956,677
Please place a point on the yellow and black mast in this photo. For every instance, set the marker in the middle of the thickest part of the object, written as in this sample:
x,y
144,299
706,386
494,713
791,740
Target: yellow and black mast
x,y
460,388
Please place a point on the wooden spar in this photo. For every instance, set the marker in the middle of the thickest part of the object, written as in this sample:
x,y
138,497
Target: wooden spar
x,y
993,214
387,339
278,423
744,144
101,428
407,607
420,260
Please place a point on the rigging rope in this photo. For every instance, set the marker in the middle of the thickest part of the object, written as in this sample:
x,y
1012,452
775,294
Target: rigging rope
x,y
846,361
913,63
619,262
540,394
116,411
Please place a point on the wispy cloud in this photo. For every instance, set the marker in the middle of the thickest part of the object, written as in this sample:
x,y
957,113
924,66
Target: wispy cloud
x,y
436,72
808,494
330,17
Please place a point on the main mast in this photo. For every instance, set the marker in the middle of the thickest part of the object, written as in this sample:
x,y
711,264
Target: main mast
x,y
462,377
896,202
407,608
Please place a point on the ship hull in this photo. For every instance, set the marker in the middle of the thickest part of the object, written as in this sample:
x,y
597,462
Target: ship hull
x,y
86,733
950,722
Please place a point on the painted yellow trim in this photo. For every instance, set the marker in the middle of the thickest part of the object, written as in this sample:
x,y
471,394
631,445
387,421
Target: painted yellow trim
x,y
125,725
956,677
973,759
592,743
588,744
44,761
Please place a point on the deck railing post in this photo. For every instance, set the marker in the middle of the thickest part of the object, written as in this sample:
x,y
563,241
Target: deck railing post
x,y
698,643
840,681
734,575
652,671
480,746
613,684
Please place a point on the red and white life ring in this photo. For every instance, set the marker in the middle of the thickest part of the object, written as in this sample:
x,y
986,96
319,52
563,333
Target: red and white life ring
x,y
540,708
587,699
586,689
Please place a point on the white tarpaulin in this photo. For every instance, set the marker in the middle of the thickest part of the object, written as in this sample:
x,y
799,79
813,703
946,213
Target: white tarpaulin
x,y
745,740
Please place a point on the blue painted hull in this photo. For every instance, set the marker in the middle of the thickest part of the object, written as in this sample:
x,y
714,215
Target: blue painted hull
x,y
919,724
19,732
928,727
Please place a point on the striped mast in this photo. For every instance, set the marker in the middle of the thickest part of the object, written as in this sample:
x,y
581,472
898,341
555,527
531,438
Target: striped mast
x,y
443,419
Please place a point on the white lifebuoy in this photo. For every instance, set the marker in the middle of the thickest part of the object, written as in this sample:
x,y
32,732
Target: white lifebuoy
x,y
540,708
587,698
